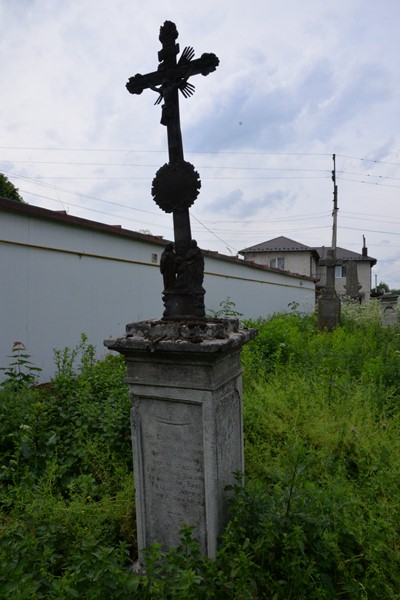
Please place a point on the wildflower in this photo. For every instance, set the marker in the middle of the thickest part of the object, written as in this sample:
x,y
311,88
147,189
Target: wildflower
x,y
18,345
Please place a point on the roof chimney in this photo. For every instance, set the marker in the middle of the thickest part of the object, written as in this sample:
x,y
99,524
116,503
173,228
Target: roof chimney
x,y
364,248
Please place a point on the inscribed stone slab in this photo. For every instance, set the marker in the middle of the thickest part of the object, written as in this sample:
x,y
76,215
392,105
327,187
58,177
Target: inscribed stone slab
x,y
173,476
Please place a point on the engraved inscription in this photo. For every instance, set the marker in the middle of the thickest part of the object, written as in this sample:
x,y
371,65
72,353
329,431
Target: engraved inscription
x,y
229,445
173,468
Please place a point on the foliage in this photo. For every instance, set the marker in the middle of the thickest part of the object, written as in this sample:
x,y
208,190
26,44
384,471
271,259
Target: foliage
x,y
355,314
67,525
227,310
21,372
322,452
8,189
382,287
317,518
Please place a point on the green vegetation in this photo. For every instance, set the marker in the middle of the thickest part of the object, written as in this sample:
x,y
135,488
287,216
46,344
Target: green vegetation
x,y
67,521
317,518
8,189
382,288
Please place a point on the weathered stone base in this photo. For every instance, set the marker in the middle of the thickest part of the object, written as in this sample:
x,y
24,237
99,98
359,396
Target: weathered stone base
x,y
389,309
184,305
185,383
328,311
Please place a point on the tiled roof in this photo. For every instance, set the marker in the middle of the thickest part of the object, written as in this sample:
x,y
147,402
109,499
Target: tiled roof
x,y
343,254
284,244
280,243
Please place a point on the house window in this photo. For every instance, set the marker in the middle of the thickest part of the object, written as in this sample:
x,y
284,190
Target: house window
x,y
340,271
277,263
154,258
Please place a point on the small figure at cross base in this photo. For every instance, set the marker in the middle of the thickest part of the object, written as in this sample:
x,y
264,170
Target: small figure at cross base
x,y
177,184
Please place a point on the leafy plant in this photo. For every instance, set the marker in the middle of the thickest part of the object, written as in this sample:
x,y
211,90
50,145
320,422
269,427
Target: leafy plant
x,y
227,309
21,372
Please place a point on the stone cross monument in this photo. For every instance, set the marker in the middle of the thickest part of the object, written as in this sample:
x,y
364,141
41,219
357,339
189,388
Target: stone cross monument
x,y
352,286
184,370
329,301
176,184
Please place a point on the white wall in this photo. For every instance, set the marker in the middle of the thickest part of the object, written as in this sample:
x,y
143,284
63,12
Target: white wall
x,y
62,276
257,292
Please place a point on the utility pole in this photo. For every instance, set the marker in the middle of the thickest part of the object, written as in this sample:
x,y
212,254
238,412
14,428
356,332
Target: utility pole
x,y
335,207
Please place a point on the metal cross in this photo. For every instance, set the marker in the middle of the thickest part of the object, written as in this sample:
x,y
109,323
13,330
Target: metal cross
x,y
176,185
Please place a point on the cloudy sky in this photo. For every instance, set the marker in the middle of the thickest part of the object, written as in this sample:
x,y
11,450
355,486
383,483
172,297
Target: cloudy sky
x,y
297,83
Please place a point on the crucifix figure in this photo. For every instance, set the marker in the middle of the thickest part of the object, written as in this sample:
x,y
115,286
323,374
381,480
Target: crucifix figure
x,y
177,184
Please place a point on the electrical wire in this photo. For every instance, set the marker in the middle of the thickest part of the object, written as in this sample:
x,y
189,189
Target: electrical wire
x,y
91,209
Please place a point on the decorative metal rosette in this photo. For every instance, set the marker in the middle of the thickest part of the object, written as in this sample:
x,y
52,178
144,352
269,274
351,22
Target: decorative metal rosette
x,y
176,186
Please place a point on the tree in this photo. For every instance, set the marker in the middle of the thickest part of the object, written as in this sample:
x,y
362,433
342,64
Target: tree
x,y
382,288
8,190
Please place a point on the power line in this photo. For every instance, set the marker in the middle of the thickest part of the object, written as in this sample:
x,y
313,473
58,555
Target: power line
x,y
212,232
150,177
214,167
378,162
369,175
222,152
371,183
155,166
53,187
366,214
305,216
371,230
394,222
164,151
91,209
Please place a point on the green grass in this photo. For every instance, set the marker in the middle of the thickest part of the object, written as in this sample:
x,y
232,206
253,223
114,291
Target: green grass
x,y
317,518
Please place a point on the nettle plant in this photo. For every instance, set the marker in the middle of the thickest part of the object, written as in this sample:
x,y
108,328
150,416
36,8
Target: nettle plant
x,y
21,371
227,310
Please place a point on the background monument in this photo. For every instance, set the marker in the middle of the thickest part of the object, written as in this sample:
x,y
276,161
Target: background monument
x,y
329,301
183,371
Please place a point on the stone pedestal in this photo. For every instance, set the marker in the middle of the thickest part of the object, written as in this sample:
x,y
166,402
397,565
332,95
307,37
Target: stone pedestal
x,y
185,385
352,286
329,301
389,309
328,311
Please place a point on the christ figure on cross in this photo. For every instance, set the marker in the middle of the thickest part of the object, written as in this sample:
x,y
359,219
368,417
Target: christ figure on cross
x,y
177,184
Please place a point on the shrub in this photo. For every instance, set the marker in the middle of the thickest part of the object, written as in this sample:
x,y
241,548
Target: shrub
x,y
67,526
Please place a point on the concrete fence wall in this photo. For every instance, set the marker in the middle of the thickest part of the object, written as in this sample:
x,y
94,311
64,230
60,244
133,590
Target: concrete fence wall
x,y
62,276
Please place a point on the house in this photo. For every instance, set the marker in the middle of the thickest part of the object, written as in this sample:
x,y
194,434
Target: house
x,y
285,254
295,257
